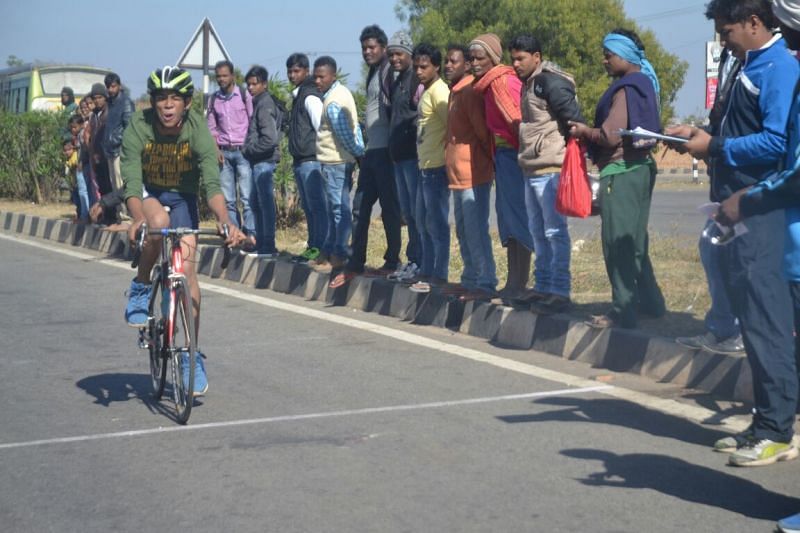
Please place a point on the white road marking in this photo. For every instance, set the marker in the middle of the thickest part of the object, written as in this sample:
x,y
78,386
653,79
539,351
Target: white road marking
x,y
294,418
693,413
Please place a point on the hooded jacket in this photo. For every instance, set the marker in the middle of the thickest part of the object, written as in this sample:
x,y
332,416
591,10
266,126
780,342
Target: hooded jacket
x,y
548,103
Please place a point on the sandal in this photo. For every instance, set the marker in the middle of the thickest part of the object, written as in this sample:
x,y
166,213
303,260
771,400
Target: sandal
x,y
478,295
600,322
341,279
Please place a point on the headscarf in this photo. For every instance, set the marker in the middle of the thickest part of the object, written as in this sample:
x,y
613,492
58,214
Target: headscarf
x,y
625,48
787,12
491,44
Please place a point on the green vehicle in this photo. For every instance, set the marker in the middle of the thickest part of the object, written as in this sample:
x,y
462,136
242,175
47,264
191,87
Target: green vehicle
x,y
35,87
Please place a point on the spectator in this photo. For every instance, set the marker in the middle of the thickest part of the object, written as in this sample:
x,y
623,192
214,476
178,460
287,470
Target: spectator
x,y
120,109
303,127
262,150
627,176
548,104
403,149
71,176
99,164
723,334
83,203
501,90
433,198
68,101
376,179
229,112
749,150
468,158
339,143
86,109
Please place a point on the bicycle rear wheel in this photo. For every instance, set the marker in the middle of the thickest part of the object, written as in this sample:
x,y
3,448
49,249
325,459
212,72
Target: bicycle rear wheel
x,y
183,350
155,332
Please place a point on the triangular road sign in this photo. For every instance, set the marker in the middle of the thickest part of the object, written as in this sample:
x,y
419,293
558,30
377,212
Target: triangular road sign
x,y
192,55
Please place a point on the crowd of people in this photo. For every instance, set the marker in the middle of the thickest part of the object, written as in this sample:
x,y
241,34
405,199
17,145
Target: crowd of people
x,y
442,127
92,145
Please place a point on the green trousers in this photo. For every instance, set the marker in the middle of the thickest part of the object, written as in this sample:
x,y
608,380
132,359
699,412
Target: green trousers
x,y
624,211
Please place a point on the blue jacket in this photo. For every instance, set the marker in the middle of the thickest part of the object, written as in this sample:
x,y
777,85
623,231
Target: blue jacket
x,y
752,140
119,112
783,192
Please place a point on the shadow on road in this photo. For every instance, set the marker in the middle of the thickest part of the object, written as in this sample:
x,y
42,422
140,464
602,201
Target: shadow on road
x,y
686,481
620,413
110,388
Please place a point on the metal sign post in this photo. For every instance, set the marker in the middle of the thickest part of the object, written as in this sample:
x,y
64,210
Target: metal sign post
x,y
204,49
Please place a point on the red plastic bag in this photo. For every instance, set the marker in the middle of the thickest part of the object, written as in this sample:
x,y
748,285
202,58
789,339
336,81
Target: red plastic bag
x,y
574,195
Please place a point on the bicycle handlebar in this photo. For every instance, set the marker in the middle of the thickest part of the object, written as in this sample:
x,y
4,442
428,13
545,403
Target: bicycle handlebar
x,y
164,232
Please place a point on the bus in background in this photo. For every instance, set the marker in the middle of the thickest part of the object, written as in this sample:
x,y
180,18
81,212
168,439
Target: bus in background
x,y
35,87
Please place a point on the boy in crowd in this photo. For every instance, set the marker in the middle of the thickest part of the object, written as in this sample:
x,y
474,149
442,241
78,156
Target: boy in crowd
x,y
261,149
470,171
748,150
548,103
433,198
403,149
229,112
376,180
303,127
339,144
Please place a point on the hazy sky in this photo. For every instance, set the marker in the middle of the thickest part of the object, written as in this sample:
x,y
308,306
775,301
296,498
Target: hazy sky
x,y
134,39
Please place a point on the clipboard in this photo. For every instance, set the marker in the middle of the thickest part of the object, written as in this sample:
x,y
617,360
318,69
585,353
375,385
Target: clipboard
x,y
641,133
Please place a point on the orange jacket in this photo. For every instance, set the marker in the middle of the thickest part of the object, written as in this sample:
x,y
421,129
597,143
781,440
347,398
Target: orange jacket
x,y
468,150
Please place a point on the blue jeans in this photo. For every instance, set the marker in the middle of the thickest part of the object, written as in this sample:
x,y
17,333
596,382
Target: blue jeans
x,y
265,209
406,174
80,196
235,168
471,211
719,320
308,176
512,216
550,235
433,208
338,180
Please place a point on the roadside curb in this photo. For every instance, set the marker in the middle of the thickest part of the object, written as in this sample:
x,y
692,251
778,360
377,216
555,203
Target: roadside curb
x,y
618,350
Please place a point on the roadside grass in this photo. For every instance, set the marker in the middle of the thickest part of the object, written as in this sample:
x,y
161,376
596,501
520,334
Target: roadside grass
x,y
675,260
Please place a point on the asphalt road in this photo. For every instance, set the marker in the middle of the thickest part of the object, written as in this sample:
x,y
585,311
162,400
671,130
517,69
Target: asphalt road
x,y
324,419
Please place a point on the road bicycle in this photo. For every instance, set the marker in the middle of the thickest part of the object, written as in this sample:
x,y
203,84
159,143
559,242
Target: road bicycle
x,y
169,334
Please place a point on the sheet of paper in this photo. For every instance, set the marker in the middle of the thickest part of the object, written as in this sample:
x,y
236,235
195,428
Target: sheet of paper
x,y
641,133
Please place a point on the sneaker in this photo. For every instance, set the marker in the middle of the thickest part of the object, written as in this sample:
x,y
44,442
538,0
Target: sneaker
x,y
409,274
200,379
394,276
138,299
762,452
697,342
790,524
731,443
309,254
731,345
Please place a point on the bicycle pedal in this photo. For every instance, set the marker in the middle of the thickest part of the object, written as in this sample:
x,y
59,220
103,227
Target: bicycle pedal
x,y
143,344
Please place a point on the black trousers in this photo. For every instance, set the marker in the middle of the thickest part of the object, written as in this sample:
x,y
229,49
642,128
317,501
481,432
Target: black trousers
x,y
760,298
375,183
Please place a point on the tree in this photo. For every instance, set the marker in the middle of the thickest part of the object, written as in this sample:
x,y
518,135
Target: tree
x,y
14,61
570,31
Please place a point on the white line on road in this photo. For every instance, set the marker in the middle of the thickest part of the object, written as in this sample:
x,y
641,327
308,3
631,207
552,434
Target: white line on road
x,y
294,418
694,413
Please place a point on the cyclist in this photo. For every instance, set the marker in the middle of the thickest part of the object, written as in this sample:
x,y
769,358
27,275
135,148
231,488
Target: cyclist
x,y
168,154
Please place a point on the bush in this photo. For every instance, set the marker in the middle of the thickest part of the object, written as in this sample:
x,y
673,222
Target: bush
x,y
31,161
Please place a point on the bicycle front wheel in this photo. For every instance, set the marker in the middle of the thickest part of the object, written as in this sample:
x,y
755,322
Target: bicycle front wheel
x,y
158,311
184,350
